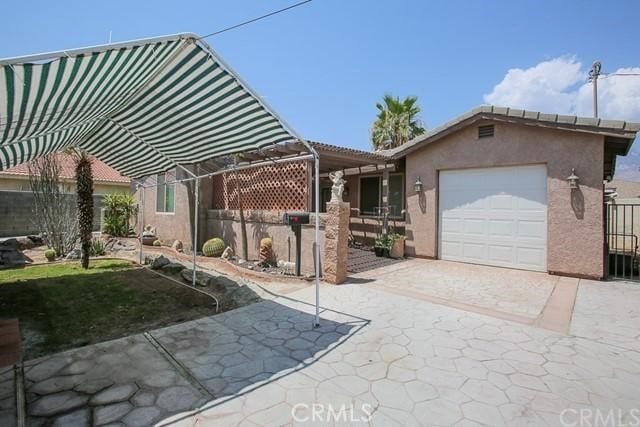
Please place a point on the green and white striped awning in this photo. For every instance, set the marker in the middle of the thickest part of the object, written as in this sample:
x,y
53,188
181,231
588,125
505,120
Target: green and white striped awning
x,y
142,107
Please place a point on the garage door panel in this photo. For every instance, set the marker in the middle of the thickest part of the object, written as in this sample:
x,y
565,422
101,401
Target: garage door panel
x,y
495,216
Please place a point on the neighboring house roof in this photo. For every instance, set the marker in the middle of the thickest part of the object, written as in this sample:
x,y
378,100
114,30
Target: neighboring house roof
x,y
621,131
625,189
101,171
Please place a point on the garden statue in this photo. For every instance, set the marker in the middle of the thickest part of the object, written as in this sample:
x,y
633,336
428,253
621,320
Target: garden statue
x,y
338,185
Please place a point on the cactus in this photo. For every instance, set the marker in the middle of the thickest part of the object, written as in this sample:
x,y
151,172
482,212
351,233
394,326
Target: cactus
x,y
50,254
213,247
157,243
266,251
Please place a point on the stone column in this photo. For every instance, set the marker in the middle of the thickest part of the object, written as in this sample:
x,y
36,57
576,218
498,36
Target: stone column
x,y
336,239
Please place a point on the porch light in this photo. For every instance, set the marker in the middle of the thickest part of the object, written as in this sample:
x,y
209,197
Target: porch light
x,y
573,179
418,186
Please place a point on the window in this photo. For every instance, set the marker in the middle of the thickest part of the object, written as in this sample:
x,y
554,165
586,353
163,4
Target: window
x,y
396,195
371,195
165,196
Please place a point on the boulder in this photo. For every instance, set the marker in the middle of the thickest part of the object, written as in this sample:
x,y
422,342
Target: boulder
x,y
25,243
222,284
37,240
172,268
160,262
74,254
202,279
177,246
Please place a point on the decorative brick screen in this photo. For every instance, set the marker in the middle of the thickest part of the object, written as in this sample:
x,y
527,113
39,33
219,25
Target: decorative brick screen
x,y
280,187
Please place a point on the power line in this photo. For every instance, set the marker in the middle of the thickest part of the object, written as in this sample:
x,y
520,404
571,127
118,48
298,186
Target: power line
x,y
255,19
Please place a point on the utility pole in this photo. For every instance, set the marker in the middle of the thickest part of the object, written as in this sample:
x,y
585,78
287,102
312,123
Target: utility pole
x,y
593,76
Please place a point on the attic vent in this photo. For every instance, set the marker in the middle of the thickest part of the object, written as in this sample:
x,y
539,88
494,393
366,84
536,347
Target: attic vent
x,y
485,131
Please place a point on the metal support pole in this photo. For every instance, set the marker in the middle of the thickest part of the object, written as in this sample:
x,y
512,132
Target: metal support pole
x,y
141,189
195,227
317,237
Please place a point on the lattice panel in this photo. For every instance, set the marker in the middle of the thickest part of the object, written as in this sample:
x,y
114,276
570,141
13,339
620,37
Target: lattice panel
x,y
280,187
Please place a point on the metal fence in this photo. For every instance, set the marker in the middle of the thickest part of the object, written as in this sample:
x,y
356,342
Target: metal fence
x,y
622,229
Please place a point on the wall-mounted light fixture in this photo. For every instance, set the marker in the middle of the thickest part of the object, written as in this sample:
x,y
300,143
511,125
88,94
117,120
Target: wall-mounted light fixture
x,y
418,186
573,179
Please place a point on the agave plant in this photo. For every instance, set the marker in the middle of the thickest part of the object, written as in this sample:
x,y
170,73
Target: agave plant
x,y
396,123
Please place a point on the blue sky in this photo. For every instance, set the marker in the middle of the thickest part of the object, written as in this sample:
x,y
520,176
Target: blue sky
x,y
324,65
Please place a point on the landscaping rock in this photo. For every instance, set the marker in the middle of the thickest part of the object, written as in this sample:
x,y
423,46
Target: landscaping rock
x,y
223,284
172,268
202,278
10,255
115,245
25,243
228,253
74,254
160,262
177,246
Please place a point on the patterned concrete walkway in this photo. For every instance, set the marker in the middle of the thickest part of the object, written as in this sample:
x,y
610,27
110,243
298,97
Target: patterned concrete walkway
x,y
378,359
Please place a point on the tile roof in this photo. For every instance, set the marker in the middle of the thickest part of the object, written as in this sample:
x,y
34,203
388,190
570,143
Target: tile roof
x,y
101,171
619,128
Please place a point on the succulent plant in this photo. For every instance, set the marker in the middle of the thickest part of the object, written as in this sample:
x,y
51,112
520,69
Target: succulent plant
x,y
50,254
213,247
266,251
157,243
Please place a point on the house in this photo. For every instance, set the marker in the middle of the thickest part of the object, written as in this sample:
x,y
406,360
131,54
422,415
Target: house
x,y
17,203
105,178
488,187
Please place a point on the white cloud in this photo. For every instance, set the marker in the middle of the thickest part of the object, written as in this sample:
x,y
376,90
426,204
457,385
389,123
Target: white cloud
x,y
560,86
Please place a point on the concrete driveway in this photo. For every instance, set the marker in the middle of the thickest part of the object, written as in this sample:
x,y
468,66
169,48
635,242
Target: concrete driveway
x,y
379,358
522,296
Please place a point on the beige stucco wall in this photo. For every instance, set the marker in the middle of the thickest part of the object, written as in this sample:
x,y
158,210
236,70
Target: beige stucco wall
x,y
226,225
575,219
177,225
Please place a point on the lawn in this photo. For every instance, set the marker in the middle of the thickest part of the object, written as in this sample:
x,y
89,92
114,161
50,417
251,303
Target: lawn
x,y
62,306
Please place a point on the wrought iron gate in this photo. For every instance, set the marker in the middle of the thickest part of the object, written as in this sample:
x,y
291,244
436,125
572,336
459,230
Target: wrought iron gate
x,y
622,228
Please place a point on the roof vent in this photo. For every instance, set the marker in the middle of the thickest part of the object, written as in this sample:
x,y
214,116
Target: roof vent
x,y
486,131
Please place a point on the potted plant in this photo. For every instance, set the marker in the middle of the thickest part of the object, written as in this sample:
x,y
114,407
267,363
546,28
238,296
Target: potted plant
x,y
397,245
382,245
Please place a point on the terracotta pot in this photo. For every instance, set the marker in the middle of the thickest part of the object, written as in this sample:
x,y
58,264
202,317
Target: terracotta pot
x,y
397,249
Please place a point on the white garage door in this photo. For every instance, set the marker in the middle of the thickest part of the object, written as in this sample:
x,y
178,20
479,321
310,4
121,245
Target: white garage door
x,y
494,216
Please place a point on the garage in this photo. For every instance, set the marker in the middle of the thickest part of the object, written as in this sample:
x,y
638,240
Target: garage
x,y
494,216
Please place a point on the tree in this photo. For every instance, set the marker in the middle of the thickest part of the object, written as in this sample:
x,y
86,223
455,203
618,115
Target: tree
x,y
54,213
84,191
396,123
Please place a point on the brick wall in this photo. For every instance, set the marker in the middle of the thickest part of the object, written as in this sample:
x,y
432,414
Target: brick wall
x,y
16,213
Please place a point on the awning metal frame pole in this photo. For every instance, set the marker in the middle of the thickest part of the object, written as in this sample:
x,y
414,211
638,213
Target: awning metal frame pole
x,y
196,203
141,189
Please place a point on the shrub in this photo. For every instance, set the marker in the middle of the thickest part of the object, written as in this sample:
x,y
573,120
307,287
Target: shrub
x,y
97,248
120,209
50,254
213,247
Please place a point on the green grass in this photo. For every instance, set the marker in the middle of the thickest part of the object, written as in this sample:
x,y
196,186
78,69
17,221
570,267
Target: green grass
x,y
63,269
61,306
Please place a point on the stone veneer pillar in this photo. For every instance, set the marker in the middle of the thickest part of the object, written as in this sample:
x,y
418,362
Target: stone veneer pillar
x,y
336,239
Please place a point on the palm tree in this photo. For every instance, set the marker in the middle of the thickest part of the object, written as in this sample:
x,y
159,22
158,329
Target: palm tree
x,y
396,123
84,191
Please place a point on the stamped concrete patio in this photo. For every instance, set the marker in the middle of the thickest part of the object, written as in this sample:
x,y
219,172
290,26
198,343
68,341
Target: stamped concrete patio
x,y
379,358
516,295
